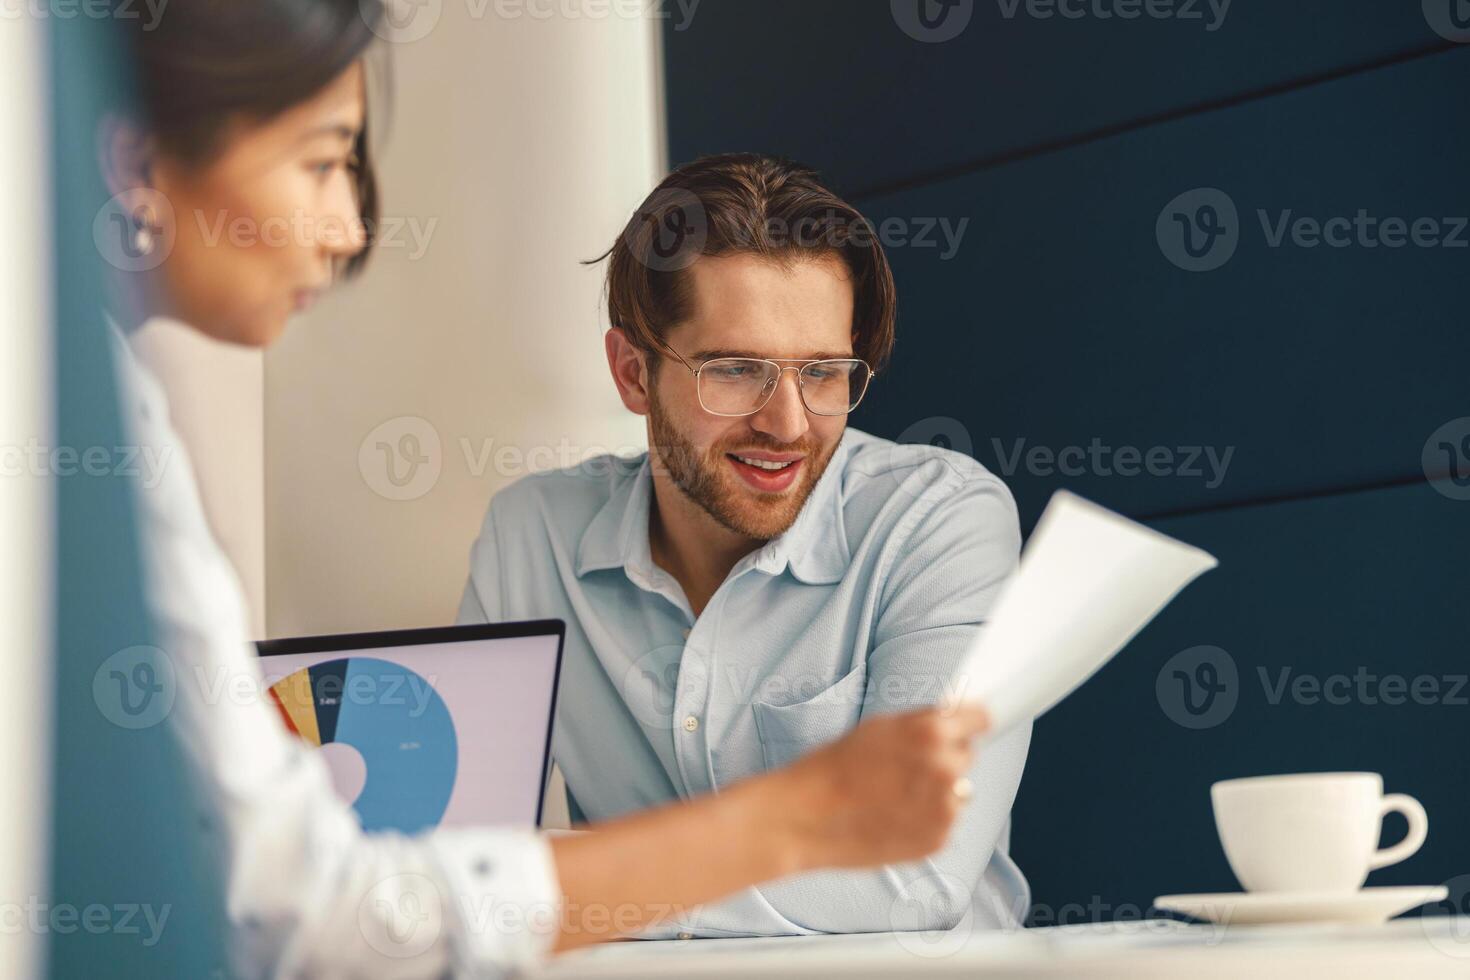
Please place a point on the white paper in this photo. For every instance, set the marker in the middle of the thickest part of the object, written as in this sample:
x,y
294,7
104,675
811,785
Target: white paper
x,y
1089,580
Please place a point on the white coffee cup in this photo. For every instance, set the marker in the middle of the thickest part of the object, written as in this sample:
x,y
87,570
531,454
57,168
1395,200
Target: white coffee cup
x,y
1314,832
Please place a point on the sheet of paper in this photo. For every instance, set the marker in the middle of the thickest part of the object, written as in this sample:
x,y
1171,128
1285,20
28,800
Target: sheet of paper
x,y
1089,580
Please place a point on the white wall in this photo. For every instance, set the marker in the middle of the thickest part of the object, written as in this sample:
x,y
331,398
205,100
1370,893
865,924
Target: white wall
x,y
25,501
520,147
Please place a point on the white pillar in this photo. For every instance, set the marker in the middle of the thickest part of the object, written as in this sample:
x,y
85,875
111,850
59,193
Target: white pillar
x,y
26,629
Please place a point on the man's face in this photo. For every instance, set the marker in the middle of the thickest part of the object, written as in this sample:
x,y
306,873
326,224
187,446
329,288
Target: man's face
x,y
747,306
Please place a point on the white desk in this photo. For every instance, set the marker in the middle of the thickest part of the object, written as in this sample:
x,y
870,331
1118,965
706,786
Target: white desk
x,y
1422,949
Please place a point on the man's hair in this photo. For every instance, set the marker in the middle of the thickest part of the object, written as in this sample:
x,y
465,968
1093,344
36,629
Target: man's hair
x,y
743,204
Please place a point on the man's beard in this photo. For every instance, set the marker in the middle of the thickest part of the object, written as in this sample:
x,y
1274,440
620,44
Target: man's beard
x,y
706,479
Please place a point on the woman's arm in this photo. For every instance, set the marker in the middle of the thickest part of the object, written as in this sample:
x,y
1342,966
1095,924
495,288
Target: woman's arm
x,y
884,793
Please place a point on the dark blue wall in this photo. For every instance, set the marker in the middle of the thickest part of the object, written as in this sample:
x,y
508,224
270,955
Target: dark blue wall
x,y
1062,319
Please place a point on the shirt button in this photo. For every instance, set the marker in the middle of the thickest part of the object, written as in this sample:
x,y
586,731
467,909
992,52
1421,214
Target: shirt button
x,y
691,724
686,935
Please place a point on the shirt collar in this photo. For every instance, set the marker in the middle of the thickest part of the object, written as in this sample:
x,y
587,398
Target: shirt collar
x,y
618,534
814,547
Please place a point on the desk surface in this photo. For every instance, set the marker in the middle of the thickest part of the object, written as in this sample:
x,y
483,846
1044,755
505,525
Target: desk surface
x,y
1431,947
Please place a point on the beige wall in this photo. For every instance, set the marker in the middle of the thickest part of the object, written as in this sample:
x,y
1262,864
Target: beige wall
x,y
518,148
216,399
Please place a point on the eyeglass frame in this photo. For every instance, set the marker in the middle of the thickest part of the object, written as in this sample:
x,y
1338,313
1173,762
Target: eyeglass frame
x,y
780,373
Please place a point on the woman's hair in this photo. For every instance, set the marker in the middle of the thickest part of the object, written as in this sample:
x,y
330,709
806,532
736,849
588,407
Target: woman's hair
x,y
743,203
206,63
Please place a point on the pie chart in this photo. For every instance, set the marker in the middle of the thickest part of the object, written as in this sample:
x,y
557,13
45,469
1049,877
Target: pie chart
x,y
394,719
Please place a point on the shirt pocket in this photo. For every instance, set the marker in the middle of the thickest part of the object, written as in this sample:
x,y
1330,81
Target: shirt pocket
x,y
789,731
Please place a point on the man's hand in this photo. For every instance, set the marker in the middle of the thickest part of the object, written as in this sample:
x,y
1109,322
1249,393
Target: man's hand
x,y
887,791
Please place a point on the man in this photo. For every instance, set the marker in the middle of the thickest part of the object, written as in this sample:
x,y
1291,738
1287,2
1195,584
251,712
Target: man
x,y
765,577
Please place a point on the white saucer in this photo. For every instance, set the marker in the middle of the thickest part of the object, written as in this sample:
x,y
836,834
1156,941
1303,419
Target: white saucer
x,y
1368,906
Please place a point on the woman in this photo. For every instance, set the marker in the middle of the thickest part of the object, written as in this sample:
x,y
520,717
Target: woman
x,y
252,119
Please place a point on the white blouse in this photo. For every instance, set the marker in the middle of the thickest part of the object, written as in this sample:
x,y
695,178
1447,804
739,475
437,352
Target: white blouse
x,y
308,892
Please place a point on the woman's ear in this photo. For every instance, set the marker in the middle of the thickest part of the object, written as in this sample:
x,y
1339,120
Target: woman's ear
x,y
125,155
138,220
629,367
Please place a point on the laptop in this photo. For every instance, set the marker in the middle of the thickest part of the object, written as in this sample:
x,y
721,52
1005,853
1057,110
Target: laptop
x,y
429,727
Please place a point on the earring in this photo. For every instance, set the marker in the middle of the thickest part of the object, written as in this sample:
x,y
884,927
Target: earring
x,y
145,233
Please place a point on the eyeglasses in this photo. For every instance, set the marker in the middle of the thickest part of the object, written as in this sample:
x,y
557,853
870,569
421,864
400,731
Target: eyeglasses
x,y
736,386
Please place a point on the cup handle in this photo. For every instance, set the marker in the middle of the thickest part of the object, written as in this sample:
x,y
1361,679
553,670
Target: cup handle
x,y
1413,811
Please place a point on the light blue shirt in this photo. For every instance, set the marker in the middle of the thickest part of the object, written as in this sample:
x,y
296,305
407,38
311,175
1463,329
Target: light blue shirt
x,y
867,604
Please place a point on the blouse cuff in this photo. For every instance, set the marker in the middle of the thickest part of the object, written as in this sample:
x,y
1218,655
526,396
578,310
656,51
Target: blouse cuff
x,y
505,900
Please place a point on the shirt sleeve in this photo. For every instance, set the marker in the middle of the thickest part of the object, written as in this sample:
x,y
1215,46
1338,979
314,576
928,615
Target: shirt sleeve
x,y
949,562
308,892
311,894
481,602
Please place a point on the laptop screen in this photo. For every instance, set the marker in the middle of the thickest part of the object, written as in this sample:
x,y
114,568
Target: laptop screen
x,y
426,728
